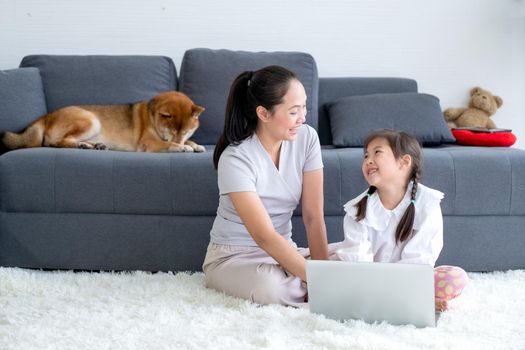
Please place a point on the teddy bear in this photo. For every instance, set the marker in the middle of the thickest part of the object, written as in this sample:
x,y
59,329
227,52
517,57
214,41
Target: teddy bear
x,y
482,106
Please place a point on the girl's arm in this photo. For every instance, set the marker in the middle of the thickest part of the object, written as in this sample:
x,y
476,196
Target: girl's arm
x,y
426,244
258,223
312,200
356,246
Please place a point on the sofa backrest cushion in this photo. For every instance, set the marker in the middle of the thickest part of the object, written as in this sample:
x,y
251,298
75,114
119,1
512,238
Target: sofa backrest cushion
x,y
331,89
22,99
353,118
81,80
206,76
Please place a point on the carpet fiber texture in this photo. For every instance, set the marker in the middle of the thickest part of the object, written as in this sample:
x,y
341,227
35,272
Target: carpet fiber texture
x,y
139,310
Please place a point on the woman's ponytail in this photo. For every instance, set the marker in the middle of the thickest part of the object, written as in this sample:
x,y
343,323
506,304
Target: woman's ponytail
x,y
265,87
239,122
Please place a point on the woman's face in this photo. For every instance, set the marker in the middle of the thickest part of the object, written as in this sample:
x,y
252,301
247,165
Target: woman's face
x,y
284,121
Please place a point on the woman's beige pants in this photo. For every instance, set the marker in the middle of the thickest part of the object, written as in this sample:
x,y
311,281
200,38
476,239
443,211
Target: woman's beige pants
x,y
250,273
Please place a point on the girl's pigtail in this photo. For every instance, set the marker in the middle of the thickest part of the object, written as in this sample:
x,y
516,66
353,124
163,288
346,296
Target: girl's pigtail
x,y
361,205
406,224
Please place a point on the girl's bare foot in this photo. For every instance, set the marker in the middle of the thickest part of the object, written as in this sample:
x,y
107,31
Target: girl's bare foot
x,y
441,305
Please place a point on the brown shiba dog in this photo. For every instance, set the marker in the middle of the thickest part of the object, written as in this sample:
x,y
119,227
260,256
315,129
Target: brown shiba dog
x,y
163,124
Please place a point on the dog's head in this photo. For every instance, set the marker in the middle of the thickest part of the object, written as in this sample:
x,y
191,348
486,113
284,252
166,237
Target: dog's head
x,y
175,117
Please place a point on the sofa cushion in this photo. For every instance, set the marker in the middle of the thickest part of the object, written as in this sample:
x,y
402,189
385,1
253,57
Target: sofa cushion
x,y
475,181
22,98
496,139
331,89
80,80
50,180
206,76
41,180
353,118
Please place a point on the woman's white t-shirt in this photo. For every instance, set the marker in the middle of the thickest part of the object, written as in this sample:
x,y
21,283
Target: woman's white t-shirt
x,y
247,167
373,237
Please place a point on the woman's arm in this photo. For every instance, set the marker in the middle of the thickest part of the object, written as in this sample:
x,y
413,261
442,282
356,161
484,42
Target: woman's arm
x,y
258,223
312,200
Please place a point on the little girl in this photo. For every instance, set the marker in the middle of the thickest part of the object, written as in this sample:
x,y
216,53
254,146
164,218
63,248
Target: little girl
x,y
397,219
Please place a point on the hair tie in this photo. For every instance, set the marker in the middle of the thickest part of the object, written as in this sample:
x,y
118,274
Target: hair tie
x,y
413,201
250,75
368,195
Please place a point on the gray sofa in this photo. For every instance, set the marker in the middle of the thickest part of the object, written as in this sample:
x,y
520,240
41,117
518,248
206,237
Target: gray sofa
x,y
107,210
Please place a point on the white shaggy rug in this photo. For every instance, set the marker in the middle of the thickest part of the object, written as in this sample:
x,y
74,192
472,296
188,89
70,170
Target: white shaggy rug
x,y
66,310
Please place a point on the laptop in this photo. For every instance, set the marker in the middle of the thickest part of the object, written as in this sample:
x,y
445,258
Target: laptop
x,y
374,292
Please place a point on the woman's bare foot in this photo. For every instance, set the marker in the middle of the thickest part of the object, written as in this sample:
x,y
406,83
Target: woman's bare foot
x,y
441,305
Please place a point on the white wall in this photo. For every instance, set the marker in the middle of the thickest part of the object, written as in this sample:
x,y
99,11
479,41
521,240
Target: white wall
x,y
448,46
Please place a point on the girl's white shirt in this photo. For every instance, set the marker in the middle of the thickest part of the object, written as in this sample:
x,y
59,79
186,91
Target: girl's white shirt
x,y
373,237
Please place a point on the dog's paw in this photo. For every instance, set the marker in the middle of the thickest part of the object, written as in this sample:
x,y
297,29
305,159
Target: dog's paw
x,y
180,148
187,148
84,145
101,146
199,148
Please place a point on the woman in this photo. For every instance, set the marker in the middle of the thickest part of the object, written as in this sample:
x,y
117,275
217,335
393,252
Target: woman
x,y
267,160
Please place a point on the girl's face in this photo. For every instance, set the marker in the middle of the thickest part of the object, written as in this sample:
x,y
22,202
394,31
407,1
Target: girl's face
x,y
284,122
380,166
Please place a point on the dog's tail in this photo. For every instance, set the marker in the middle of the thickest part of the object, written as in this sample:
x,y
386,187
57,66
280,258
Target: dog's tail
x,y
32,136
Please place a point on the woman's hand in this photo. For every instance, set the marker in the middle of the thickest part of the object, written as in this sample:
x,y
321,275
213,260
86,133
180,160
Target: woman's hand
x,y
258,223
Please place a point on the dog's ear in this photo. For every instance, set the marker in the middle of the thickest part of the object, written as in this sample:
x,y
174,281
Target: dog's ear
x,y
152,105
196,111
